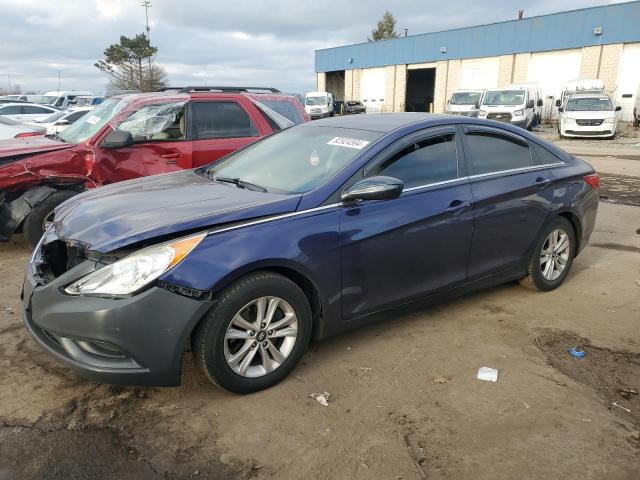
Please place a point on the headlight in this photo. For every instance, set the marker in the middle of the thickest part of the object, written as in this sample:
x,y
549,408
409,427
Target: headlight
x,y
569,120
518,113
482,113
610,120
133,272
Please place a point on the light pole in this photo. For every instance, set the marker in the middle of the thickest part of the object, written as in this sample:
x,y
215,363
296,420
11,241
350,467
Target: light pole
x,y
147,5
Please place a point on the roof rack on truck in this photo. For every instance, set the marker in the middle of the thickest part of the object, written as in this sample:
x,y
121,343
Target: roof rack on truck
x,y
221,89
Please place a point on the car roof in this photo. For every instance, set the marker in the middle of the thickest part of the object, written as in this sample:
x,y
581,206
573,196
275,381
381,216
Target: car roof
x,y
378,122
174,93
589,95
22,104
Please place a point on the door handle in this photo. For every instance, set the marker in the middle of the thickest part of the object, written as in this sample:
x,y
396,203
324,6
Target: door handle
x,y
171,158
542,182
457,205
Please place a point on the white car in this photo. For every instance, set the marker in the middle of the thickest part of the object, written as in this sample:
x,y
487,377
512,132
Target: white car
x,y
56,122
12,129
25,112
587,115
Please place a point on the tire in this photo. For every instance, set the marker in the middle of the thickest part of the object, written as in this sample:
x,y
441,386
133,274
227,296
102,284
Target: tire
x,y
33,226
214,350
538,277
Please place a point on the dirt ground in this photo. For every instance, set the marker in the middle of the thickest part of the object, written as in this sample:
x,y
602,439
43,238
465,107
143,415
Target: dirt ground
x,y
405,402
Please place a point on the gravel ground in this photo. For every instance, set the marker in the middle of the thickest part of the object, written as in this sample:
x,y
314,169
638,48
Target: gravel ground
x,y
404,403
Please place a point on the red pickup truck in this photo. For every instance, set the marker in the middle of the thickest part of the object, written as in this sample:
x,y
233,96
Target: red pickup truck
x,y
133,136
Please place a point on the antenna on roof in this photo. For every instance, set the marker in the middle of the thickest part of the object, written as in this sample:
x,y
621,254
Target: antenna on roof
x,y
520,14
147,5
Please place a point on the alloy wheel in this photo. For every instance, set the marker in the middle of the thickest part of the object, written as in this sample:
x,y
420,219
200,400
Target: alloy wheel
x,y
555,254
260,336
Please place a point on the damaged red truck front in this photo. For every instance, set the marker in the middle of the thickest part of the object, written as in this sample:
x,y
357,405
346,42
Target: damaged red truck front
x,y
128,137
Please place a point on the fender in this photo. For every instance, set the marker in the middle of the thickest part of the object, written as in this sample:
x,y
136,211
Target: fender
x,y
13,213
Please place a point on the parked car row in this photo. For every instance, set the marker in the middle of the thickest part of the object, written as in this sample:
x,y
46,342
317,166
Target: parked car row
x,y
132,136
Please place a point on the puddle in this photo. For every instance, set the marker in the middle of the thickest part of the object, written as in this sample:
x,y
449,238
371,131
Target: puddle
x,y
614,374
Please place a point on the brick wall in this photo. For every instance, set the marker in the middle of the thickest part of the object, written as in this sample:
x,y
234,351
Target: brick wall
x,y
321,82
521,67
609,64
401,89
453,80
590,62
440,94
506,70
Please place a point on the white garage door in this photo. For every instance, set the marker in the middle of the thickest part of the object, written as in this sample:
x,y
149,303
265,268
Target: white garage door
x,y
551,70
479,73
628,80
372,84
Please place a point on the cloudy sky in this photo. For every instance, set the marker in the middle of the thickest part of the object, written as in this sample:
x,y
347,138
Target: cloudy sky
x,y
215,42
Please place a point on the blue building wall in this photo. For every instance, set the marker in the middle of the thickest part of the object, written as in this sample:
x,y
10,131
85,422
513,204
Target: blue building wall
x,y
574,29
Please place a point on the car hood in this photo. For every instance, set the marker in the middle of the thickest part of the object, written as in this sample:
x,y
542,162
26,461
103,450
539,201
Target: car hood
x,y
460,108
112,217
30,145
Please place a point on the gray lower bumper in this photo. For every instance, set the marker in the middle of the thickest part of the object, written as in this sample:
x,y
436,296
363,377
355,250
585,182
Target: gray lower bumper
x,y
149,330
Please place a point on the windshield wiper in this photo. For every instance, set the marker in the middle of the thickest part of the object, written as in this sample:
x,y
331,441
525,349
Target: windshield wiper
x,y
241,183
54,136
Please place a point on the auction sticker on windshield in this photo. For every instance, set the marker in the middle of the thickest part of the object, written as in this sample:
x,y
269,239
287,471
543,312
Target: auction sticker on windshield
x,y
93,119
348,142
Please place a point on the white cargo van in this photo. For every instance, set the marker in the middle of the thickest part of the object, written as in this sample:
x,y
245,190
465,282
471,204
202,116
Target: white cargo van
x,y
463,102
587,115
318,104
515,104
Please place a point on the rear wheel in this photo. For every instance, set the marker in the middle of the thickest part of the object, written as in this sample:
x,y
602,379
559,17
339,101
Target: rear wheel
x,y
552,257
34,224
255,334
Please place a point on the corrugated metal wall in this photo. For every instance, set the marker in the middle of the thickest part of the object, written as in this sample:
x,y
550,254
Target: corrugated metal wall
x,y
620,24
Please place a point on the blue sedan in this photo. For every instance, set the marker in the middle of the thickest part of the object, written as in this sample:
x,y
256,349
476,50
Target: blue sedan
x,y
305,233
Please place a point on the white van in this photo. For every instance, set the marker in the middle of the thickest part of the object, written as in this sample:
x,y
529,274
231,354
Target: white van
x,y
582,85
587,115
515,104
61,98
318,104
463,102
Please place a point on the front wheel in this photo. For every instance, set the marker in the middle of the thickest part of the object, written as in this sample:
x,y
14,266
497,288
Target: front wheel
x,y
552,257
255,334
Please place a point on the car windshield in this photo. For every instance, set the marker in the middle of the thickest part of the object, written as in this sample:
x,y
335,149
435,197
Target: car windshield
x,y
465,98
293,161
91,123
504,97
316,100
596,104
52,118
353,104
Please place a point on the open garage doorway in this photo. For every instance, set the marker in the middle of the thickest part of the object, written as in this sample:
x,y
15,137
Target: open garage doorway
x,y
335,85
421,85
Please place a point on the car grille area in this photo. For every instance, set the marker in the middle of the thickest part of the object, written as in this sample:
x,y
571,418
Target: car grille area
x,y
592,122
499,116
56,258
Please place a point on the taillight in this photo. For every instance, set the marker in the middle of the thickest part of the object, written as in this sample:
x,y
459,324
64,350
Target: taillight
x,y
593,180
29,134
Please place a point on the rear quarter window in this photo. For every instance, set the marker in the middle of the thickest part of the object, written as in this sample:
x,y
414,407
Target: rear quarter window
x,y
492,152
542,156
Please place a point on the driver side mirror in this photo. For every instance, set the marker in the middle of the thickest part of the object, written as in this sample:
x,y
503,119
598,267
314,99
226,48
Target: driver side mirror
x,y
64,121
117,139
618,108
373,188
476,105
540,102
558,103
530,104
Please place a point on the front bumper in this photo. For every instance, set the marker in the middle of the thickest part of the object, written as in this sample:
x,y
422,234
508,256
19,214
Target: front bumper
x,y
138,340
316,116
575,130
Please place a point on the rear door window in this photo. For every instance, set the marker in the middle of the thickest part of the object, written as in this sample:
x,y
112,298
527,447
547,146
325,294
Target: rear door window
x,y
490,152
424,162
222,120
11,110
